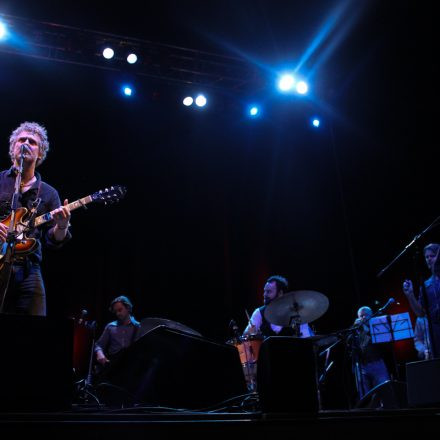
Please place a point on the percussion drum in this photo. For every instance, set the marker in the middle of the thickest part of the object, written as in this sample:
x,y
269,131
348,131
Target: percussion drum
x,y
248,347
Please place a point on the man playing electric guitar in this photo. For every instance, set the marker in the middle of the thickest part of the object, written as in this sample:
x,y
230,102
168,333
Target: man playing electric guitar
x,y
25,293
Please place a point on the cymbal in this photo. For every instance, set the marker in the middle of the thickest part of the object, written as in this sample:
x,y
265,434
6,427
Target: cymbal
x,y
148,324
301,306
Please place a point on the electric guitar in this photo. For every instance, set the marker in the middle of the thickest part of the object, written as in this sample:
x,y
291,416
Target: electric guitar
x,y
24,222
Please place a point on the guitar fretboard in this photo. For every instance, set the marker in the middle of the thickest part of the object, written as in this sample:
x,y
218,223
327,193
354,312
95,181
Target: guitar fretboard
x,y
72,206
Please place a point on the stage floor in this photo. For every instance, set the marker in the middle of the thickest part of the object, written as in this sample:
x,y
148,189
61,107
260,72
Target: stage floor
x,y
83,423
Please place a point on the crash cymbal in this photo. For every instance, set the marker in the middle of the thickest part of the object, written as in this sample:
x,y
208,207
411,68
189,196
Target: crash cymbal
x,y
148,324
301,306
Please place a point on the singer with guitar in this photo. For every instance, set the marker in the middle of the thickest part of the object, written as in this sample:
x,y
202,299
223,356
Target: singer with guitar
x,y
21,284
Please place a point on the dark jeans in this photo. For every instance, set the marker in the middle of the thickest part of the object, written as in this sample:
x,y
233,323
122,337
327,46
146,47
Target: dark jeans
x,y
369,375
26,294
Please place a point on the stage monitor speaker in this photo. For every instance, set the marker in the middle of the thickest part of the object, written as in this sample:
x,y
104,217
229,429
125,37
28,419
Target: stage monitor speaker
x,y
36,363
167,367
387,395
286,375
423,382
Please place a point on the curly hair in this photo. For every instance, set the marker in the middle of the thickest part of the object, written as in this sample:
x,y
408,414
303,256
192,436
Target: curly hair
x,y
36,129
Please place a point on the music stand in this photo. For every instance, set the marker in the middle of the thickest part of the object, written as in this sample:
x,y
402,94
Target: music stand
x,y
390,328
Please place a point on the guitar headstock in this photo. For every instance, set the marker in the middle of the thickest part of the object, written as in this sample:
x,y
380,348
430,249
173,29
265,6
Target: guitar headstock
x,y
110,195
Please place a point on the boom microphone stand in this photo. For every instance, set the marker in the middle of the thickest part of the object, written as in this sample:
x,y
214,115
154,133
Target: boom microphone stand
x,y
9,245
417,271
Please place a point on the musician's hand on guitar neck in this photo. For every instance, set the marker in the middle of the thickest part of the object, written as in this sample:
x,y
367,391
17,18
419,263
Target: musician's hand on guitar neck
x,y
61,217
3,233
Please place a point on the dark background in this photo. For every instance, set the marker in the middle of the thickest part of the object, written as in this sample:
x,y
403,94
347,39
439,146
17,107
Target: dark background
x,y
217,202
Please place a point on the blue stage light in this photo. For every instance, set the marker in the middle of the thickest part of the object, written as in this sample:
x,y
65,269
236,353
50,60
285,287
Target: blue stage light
x,y
286,82
3,30
108,53
254,111
188,101
302,87
316,122
201,101
127,90
132,58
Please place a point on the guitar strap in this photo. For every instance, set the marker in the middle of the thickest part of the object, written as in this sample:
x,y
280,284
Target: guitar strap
x,y
32,212
35,205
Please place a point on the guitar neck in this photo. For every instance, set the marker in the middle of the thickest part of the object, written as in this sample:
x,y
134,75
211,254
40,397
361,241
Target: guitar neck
x,y
72,206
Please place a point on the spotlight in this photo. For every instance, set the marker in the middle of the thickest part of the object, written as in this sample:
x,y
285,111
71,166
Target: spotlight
x,y
188,101
2,30
316,122
302,87
108,53
201,101
132,58
286,83
254,111
127,90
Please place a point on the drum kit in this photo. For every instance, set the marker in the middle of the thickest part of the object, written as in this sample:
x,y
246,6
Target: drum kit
x,y
289,310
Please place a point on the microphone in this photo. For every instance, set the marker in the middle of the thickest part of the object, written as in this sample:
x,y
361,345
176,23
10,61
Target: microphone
x,y
388,303
84,313
23,148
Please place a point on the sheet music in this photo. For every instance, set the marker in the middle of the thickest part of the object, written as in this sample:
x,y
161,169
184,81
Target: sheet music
x,y
401,328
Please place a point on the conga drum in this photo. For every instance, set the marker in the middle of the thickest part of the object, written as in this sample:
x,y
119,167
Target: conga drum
x,y
248,347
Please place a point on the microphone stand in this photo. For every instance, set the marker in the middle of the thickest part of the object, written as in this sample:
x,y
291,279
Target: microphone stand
x,y
420,282
5,273
85,386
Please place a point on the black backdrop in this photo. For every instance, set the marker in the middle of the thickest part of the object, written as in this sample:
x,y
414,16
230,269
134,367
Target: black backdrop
x,y
217,202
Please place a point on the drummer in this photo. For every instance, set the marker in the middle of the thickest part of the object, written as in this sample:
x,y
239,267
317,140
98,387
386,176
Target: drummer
x,y
275,287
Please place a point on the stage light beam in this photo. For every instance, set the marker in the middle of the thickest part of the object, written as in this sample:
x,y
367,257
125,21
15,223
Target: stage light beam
x,y
316,122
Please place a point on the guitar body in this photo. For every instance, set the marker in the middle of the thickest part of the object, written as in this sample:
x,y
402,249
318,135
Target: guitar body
x,y
23,244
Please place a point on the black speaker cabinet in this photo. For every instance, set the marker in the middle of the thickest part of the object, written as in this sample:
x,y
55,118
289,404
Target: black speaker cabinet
x,y
166,367
36,363
286,376
423,382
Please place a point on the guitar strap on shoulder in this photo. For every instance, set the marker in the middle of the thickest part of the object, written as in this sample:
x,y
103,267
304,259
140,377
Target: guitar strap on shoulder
x,y
34,208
